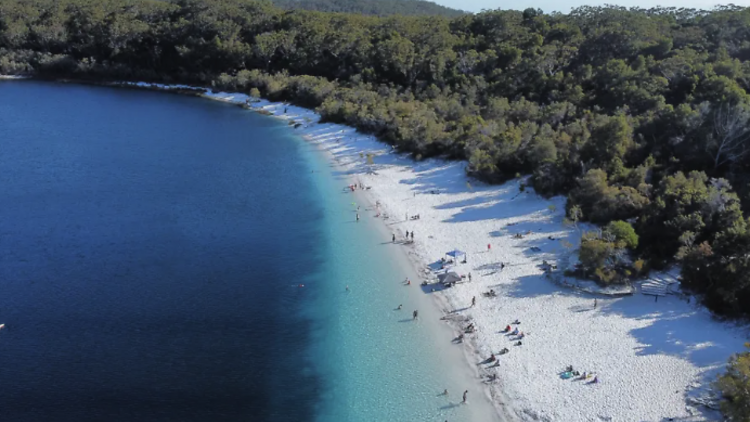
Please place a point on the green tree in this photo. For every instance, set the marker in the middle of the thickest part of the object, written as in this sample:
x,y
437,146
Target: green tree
x,y
735,387
623,233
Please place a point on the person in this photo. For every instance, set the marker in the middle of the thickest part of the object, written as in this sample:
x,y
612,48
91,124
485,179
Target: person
x,y
473,301
489,247
594,302
502,265
399,307
445,392
407,235
412,235
408,282
507,328
357,216
394,238
469,276
465,393
415,314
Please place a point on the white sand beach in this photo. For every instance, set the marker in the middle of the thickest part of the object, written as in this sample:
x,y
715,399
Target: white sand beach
x,y
653,360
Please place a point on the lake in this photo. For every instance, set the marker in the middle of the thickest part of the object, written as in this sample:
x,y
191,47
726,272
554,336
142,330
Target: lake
x,y
166,258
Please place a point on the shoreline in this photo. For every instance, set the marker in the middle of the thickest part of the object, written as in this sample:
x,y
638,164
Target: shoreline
x,y
440,304
655,361
404,257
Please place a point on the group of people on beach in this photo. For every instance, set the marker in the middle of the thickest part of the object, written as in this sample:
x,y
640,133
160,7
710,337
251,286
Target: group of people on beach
x,y
571,373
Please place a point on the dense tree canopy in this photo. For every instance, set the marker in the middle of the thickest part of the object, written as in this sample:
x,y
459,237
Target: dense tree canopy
x,y
642,117
372,7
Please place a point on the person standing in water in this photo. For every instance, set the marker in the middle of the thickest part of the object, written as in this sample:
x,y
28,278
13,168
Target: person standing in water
x,y
394,238
415,314
473,301
357,216
465,393
412,235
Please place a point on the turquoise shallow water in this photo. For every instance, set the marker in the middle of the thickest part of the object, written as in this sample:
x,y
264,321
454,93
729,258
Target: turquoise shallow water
x,y
379,364
151,252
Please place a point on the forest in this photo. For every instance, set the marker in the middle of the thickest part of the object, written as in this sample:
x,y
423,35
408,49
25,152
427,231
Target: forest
x,y
372,7
640,117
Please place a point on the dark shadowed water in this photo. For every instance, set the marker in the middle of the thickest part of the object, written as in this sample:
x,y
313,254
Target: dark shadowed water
x,y
142,242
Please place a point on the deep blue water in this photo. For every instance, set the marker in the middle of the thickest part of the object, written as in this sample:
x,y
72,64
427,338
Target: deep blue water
x,y
152,248
142,237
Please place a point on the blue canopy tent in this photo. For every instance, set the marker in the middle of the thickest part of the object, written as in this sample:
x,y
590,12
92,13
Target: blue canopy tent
x,y
456,253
